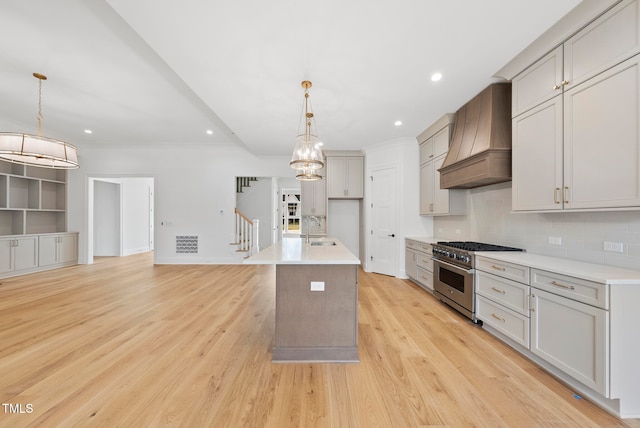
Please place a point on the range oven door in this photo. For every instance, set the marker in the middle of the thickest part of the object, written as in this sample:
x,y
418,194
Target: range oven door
x,y
454,286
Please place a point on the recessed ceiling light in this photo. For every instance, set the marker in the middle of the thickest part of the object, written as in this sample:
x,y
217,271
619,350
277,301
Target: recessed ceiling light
x,y
397,123
209,132
435,77
88,131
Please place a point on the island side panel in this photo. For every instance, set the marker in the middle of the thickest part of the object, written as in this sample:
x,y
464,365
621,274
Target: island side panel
x,y
316,325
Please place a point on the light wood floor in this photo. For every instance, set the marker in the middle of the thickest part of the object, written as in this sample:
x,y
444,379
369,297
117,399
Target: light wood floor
x,y
123,343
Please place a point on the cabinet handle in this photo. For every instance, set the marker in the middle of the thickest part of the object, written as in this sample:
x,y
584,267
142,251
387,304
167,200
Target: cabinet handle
x,y
531,300
564,82
497,290
556,191
568,287
498,268
565,191
556,87
497,317
430,156
431,207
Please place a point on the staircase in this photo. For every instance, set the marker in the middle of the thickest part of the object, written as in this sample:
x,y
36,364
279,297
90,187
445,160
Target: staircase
x,y
242,182
246,234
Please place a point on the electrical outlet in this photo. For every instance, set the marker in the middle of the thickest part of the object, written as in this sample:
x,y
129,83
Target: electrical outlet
x,y
555,240
616,247
317,285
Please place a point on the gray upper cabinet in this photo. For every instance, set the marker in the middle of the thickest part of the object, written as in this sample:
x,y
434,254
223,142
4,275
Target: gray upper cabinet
x,y
433,147
575,139
345,177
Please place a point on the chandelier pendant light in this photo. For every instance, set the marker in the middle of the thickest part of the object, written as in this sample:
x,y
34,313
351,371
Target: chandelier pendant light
x,y
307,154
36,150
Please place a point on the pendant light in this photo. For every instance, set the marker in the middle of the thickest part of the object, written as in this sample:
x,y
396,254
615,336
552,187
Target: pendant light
x,y
307,154
36,150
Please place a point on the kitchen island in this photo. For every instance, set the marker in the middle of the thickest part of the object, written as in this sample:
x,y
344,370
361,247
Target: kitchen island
x,y
316,300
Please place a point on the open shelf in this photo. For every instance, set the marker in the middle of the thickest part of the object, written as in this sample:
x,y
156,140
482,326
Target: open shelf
x,y
46,173
11,222
24,193
32,200
4,189
52,195
45,222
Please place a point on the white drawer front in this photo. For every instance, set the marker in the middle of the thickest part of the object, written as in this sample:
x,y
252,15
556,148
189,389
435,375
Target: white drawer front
x,y
511,324
425,278
424,261
411,244
511,294
503,269
425,248
591,293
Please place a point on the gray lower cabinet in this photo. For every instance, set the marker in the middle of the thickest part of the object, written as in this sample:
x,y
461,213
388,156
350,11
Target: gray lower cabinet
x,y
18,255
569,327
32,253
582,330
418,263
503,304
58,249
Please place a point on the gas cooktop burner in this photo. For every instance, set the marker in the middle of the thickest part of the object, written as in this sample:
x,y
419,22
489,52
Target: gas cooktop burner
x,y
477,246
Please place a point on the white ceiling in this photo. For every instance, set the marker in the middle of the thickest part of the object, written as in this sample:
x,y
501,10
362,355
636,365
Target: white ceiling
x,y
165,71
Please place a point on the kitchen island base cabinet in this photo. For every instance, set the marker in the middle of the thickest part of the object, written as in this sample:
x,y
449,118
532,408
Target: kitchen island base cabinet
x,y
316,325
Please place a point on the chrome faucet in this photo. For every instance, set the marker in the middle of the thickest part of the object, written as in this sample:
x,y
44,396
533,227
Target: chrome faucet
x,y
309,224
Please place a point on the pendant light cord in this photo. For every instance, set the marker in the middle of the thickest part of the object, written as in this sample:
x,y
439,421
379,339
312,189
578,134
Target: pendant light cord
x,y
39,106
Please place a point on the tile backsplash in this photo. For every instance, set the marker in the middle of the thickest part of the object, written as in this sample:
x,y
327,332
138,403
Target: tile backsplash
x,y
571,235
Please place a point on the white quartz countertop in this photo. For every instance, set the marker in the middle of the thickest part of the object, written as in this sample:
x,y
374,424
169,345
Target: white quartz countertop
x,y
298,251
588,271
424,239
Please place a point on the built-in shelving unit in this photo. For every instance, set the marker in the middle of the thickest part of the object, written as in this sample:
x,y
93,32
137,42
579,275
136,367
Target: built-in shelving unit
x,y
33,220
32,200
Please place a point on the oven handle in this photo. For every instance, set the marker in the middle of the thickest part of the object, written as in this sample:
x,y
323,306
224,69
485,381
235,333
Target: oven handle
x,y
470,271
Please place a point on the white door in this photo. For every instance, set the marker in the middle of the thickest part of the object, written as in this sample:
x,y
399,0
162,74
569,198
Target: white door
x,y
384,237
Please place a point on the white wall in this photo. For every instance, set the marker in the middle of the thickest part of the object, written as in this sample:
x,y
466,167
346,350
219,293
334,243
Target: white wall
x,y
193,183
402,154
489,219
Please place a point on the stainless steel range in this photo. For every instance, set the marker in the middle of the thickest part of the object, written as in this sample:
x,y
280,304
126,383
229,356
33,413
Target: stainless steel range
x,y
453,273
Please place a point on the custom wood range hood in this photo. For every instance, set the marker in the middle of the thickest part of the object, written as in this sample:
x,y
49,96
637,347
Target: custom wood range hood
x,y
480,151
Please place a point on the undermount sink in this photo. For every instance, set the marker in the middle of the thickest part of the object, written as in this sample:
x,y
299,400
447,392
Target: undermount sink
x,y
322,243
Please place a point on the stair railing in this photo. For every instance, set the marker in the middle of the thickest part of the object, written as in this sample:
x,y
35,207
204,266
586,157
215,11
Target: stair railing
x,y
246,234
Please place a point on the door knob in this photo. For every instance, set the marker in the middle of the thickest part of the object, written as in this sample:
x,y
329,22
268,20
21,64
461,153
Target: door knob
x,y
393,235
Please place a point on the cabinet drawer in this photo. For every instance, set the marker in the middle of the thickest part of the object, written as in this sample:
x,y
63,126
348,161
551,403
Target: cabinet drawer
x,y
511,324
591,293
425,278
425,248
424,261
511,294
411,244
506,270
